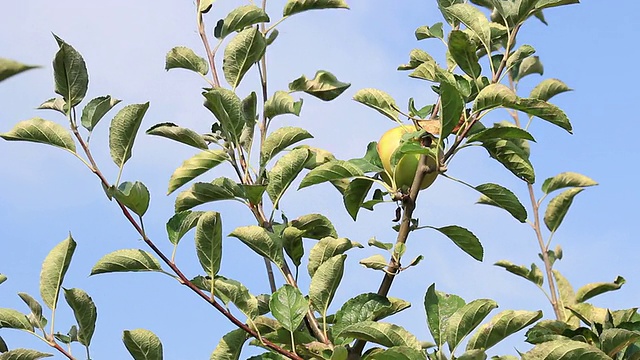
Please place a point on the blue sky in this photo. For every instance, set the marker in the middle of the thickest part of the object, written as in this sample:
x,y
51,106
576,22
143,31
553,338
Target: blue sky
x,y
46,193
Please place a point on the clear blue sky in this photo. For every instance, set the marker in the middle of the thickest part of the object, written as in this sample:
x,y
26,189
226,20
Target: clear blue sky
x,y
46,193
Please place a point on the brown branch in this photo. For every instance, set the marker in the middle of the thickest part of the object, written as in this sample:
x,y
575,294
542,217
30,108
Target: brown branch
x,y
60,349
210,54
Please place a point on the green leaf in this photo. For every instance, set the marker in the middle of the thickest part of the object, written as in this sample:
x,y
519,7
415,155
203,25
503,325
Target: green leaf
x,y
23,354
196,166
528,66
379,101
93,112
327,248
261,241
205,6
519,55
502,325
126,260
229,290
209,242
514,156
179,134
13,319
439,308
332,170
250,111
464,239
227,107
3,346
201,193
355,195
133,195
558,208
566,179
54,268
253,193
363,307
315,226
501,132
567,296
548,88
123,130
181,57
493,96
463,51
230,346
298,6
496,195
9,67
325,86
244,50
36,317
289,307
142,344
544,111
416,58
428,32
281,103
473,19
279,140
534,274
70,74
238,19
181,223
85,312
284,172
41,131
594,289
382,333
465,319
615,340
56,104
324,283
564,350
398,353
3,278
375,262
292,242
452,108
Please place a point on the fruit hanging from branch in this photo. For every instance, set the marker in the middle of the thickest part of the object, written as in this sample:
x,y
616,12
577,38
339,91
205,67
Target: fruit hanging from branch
x,y
401,175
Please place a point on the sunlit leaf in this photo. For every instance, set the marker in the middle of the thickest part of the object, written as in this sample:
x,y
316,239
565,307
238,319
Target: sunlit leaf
x,y
558,208
93,112
493,96
463,51
544,111
238,19
281,103
54,268
325,86
209,242
126,260
196,166
501,132
465,319
142,344
355,195
513,154
473,19
179,134
379,101
23,354
548,88
496,195
123,130
85,312
57,104
244,50
439,308
261,241
452,108
279,140
327,248
284,172
519,55
133,195
13,319
382,333
500,326
10,67
332,170
36,310
325,281
566,179
564,350
615,340
427,32
181,223
230,346
41,131
464,239
289,307
375,262
594,289
181,57
70,74
314,226
298,6
363,307
201,193
528,66
229,290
